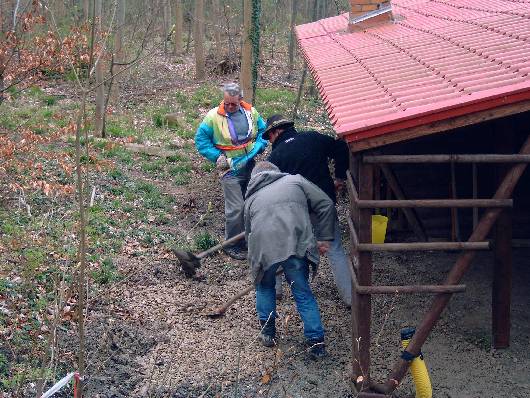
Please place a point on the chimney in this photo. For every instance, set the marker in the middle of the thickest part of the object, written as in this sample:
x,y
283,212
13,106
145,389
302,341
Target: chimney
x,y
368,13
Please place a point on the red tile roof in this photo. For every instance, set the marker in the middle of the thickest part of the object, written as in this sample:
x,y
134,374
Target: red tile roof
x,y
439,59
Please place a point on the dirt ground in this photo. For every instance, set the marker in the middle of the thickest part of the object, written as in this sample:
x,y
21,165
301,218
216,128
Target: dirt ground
x,y
158,343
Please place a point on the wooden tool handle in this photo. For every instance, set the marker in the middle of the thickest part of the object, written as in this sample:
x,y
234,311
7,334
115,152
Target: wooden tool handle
x,y
227,242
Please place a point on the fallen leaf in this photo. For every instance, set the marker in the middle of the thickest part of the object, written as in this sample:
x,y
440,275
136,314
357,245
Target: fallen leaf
x,y
266,378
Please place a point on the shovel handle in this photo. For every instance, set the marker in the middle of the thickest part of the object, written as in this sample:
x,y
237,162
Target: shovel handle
x,y
227,242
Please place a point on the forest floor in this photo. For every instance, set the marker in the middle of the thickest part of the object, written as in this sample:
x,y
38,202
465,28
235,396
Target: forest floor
x,y
147,333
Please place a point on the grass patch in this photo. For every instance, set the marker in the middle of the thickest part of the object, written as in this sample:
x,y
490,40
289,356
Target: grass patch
x,y
153,166
207,166
183,168
204,240
182,179
187,133
106,273
118,152
114,129
271,101
49,100
176,158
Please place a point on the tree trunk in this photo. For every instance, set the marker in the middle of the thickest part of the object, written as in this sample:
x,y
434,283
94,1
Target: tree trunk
x,y
294,9
119,56
1,85
312,89
198,38
216,21
100,92
86,10
245,75
167,22
178,27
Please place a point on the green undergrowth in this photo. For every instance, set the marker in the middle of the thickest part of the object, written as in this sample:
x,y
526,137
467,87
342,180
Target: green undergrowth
x,y
36,111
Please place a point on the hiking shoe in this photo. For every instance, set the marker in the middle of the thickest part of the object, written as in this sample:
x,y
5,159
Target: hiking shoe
x,y
266,340
317,348
267,332
235,252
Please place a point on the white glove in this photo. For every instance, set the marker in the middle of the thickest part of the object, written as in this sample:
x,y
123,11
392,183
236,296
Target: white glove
x,y
221,163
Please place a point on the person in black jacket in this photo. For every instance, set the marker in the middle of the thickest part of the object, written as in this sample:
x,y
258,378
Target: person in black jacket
x,y
308,153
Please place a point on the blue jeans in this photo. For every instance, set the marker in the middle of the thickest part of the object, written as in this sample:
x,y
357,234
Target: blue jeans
x,y
297,274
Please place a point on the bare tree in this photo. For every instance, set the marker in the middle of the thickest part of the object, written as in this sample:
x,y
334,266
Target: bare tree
x,y
294,9
198,38
245,75
86,9
118,55
166,13
100,92
178,26
216,21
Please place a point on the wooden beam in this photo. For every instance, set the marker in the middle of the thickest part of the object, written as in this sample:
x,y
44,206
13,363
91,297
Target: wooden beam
x,y
456,274
455,158
448,125
455,223
366,190
501,292
411,216
357,372
474,173
422,246
411,289
354,195
434,203
502,281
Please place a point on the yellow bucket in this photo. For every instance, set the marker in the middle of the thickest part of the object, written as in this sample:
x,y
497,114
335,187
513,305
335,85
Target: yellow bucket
x,y
379,224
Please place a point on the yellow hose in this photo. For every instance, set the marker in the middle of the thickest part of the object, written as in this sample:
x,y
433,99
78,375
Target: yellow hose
x,y
418,369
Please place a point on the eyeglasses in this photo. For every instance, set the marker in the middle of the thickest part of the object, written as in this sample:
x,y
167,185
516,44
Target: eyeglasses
x,y
231,104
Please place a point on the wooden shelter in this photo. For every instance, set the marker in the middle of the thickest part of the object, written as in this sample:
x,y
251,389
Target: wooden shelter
x,y
433,98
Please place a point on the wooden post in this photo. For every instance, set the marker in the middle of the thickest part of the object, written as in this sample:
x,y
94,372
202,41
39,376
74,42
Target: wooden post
x,y
366,190
502,269
377,186
353,223
502,281
475,194
455,223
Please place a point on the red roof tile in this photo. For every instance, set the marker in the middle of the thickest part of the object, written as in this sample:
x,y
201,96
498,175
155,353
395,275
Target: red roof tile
x,y
438,60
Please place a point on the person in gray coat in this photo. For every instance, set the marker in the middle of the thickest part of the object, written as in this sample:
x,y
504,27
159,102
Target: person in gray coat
x,y
279,233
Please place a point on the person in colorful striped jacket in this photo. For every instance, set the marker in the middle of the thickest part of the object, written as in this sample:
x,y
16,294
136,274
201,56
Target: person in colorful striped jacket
x,y
230,135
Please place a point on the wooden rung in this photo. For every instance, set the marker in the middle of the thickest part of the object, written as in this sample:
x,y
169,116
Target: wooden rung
x,y
434,203
410,289
422,246
489,158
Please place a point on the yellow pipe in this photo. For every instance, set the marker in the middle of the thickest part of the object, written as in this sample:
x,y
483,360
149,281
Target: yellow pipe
x,y
418,369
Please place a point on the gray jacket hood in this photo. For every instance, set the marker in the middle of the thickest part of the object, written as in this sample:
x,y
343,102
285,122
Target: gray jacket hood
x,y
261,180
